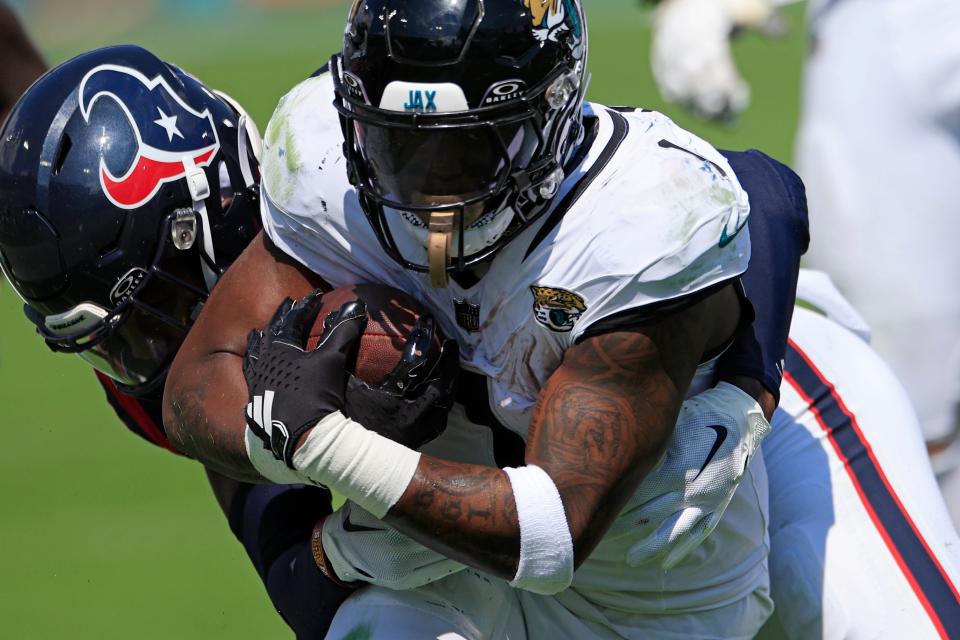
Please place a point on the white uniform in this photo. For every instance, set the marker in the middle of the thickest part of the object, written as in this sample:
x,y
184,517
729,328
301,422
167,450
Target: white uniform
x,y
878,149
861,543
652,213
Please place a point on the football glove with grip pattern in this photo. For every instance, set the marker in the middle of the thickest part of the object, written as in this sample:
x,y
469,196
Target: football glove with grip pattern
x,y
278,371
409,406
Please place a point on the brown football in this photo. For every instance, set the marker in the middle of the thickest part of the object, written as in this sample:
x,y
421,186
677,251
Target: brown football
x,y
392,315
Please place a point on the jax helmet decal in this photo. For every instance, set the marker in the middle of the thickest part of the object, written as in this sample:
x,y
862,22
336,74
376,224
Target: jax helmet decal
x,y
165,154
481,162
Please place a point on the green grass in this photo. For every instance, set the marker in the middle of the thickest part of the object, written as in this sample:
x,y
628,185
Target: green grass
x,y
102,536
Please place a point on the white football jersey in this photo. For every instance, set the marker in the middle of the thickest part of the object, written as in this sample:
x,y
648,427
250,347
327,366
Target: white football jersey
x,y
652,213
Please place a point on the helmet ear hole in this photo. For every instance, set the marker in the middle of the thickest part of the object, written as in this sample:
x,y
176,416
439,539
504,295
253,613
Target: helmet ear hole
x,y
65,145
111,246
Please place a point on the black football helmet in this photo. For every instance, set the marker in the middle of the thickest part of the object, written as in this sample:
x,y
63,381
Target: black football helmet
x,y
126,189
458,117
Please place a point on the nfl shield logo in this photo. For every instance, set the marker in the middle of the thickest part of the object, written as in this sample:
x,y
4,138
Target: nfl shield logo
x,y
468,315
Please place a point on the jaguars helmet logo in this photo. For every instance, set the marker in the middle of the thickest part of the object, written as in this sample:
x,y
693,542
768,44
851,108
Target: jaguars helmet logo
x,y
551,18
557,309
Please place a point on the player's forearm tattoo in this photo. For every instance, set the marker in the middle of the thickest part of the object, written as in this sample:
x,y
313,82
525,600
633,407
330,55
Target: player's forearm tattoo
x,y
466,512
600,425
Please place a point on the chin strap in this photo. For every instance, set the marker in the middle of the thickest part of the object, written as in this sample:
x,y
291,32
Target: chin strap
x,y
199,188
248,137
438,247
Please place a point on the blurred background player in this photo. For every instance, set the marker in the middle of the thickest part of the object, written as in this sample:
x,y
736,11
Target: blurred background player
x,y
879,151
854,507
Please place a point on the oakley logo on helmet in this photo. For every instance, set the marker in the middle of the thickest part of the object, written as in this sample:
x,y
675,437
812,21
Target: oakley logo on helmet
x,y
354,87
172,138
504,92
127,285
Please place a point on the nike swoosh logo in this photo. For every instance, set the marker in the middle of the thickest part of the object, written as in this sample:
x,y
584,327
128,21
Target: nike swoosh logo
x,y
727,239
356,528
721,436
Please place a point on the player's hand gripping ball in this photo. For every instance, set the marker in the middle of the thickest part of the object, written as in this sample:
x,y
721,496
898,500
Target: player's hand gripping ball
x,y
299,369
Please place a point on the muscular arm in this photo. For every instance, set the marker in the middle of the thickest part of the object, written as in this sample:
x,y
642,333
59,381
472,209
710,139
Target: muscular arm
x,y
206,394
600,425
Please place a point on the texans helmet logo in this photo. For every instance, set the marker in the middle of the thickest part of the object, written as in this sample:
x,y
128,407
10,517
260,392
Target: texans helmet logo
x,y
172,137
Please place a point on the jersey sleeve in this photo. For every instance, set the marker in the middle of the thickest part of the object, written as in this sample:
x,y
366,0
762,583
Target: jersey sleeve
x,y
666,222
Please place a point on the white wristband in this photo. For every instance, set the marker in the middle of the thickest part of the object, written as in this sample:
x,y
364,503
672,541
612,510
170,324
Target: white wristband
x,y
365,467
546,546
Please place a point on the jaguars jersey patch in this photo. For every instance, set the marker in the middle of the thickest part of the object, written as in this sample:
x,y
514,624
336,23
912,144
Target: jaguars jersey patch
x,y
557,309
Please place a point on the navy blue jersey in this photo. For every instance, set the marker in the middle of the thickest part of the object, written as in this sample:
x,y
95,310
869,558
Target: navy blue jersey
x,y
779,234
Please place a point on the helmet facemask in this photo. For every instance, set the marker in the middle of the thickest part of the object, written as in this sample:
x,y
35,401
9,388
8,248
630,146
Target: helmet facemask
x,y
134,341
446,189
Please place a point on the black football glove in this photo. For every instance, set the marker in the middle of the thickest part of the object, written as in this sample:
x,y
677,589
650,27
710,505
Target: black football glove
x,y
411,405
291,389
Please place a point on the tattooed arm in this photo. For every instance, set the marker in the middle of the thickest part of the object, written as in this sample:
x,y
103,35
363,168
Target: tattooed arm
x,y
205,394
600,425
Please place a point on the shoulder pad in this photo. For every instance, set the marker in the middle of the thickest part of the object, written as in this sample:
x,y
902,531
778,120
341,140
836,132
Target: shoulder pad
x,y
303,135
666,198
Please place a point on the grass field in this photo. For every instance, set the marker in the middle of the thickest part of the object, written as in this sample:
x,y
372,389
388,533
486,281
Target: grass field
x,y
102,536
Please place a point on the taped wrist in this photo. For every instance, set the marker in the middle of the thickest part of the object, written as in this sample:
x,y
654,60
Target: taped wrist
x,y
266,464
546,545
363,466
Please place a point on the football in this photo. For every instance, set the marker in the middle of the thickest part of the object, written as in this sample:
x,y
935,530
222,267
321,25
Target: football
x,y
392,315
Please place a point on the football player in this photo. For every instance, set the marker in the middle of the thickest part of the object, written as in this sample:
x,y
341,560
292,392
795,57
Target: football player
x,y
126,189
864,166
586,260
138,294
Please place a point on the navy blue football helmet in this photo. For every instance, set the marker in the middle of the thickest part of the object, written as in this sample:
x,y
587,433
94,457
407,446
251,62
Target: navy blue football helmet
x,y
459,116
126,189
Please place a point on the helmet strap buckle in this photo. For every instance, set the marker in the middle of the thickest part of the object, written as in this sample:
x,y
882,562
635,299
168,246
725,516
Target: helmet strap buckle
x,y
197,183
438,247
184,229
